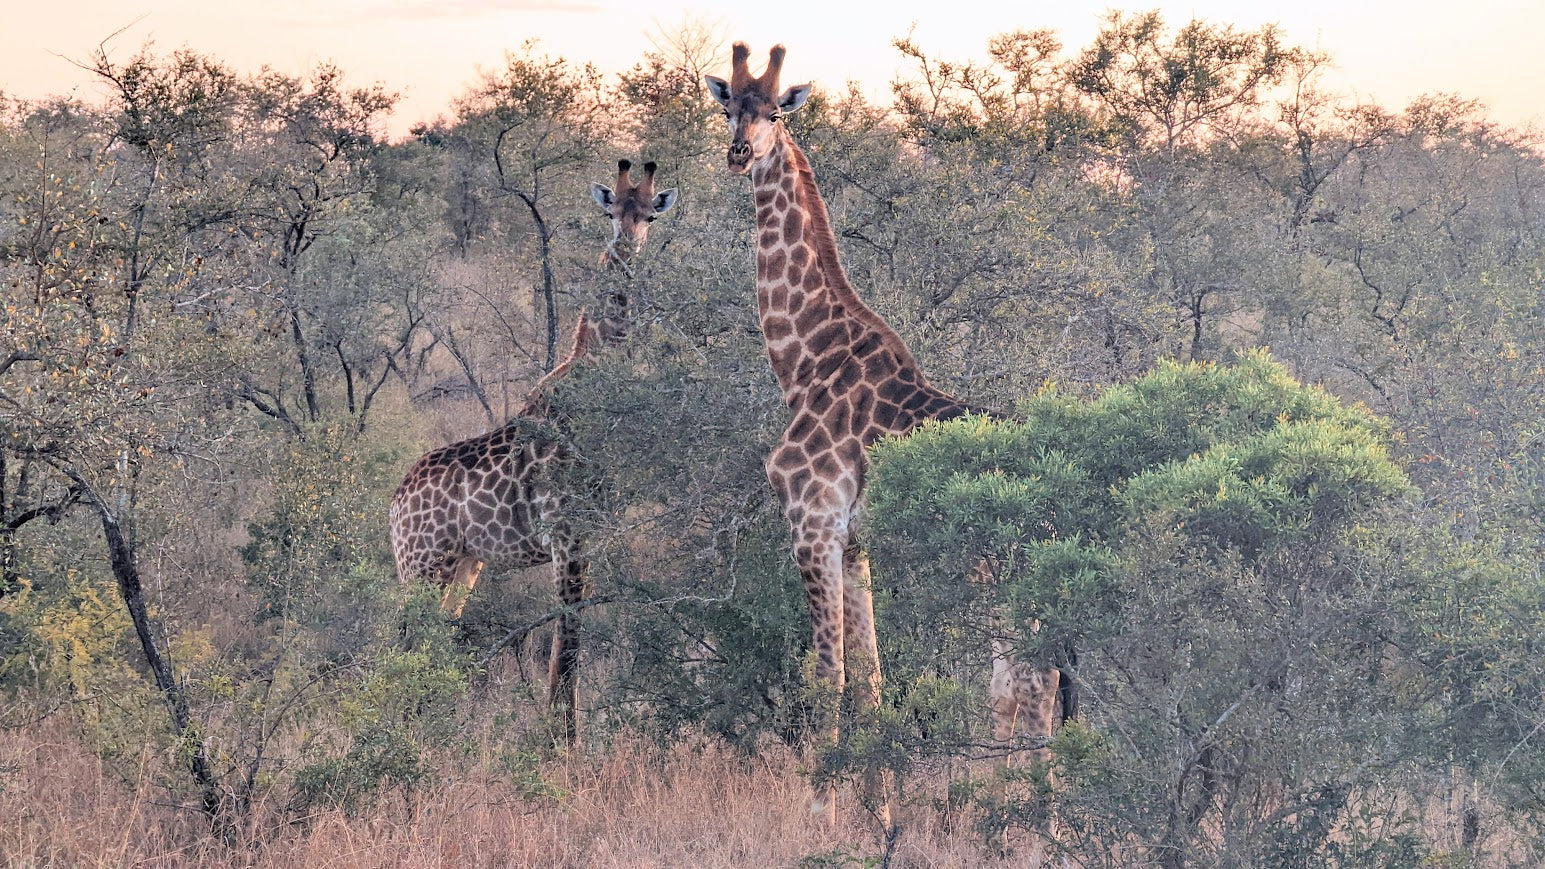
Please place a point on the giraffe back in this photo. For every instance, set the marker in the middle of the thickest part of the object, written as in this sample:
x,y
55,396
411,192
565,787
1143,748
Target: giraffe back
x,y
489,497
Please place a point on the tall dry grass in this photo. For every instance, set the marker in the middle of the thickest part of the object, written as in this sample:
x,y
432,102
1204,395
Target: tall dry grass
x,y
630,804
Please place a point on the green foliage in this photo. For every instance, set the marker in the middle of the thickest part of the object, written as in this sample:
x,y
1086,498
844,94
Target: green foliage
x,y
840,858
323,515
380,757
394,710
1191,535
1269,489
1241,457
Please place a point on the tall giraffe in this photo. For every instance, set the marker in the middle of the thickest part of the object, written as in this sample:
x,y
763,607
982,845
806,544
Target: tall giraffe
x,y
848,380
499,497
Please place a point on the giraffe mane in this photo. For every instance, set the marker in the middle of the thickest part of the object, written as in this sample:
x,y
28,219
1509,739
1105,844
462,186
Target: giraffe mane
x,y
831,264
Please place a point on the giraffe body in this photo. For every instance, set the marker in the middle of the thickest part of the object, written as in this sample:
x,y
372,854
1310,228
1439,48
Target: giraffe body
x,y
846,376
499,498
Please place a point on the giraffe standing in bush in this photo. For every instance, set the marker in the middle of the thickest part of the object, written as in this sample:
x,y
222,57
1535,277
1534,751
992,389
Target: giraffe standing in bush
x,y
848,380
499,497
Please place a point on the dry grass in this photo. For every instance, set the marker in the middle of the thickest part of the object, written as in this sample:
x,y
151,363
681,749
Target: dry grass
x,y
697,804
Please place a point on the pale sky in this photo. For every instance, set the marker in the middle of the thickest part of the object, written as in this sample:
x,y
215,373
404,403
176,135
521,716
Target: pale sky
x,y
431,50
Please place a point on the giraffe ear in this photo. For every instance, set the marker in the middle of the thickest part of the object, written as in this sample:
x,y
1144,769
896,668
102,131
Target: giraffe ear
x,y
719,88
793,98
602,195
664,200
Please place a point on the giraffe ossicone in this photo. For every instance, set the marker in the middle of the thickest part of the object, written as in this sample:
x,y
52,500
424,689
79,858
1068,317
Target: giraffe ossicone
x,y
500,497
848,380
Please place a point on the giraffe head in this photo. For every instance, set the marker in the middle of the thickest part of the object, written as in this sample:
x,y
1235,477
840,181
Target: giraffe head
x,y
753,106
631,208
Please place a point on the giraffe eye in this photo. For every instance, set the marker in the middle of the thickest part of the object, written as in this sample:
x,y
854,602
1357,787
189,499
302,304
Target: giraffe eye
x,y
775,117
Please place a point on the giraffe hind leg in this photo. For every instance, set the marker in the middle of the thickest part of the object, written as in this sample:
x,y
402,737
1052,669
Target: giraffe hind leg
x,y
563,666
463,575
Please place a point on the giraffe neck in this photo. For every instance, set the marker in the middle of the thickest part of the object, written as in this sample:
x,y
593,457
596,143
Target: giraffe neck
x,y
591,337
811,316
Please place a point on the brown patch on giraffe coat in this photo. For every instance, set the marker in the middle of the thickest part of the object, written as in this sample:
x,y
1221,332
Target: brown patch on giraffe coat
x,y
867,344
793,227
851,453
826,367
818,441
777,330
825,466
797,482
800,428
819,402
782,357
794,275
775,263
893,391
879,367
885,414
847,377
811,317
837,424
829,339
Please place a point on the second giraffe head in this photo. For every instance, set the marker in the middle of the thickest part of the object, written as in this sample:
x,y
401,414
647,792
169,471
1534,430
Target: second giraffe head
x,y
753,106
631,208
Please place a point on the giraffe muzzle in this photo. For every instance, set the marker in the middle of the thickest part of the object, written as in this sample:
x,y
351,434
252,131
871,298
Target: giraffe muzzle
x,y
739,157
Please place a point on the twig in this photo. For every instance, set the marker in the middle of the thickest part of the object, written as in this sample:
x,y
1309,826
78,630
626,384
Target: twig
x,y
18,356
518,633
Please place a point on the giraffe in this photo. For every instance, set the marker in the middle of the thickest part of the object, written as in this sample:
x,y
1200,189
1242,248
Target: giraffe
x,y
848,379
498,497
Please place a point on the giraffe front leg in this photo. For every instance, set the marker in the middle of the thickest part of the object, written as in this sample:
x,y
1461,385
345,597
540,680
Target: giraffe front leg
x,y
563,664
820,567
861,649
1023,697
861,653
